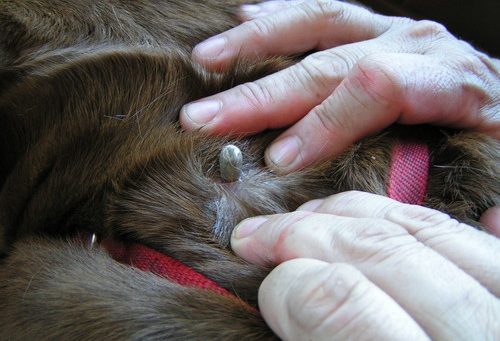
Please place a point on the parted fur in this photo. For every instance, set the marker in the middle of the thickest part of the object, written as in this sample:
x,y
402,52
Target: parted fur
x,y
90,93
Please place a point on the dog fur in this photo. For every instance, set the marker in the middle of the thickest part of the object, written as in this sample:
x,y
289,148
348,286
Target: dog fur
x,y
90,93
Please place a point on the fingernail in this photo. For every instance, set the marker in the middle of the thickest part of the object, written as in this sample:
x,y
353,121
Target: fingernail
x,y
311,206
250,10
201,113
211,48
284,152
248,227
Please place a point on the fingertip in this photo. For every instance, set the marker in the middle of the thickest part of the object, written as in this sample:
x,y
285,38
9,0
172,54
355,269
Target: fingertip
x,y
247,227
259,240
199,114
301,146
491,220
185,121
245,245
213,53
284,155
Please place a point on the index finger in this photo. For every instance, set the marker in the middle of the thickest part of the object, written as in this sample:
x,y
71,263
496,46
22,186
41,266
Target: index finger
x,y
274,101
297,28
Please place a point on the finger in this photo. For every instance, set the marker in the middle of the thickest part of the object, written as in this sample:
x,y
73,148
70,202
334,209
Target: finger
x,y
274,101
303,27
388,256
491,220
306,299
249,12
277,100
380,90
478,253
283,98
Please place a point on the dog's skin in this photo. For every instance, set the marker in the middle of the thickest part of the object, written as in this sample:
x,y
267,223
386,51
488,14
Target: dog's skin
x,y
90,93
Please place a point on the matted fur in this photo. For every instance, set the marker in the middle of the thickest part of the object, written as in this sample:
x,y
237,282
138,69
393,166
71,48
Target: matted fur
x,y
90,93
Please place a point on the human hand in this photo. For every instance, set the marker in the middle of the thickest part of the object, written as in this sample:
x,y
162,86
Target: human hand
x,y
372,71
365,267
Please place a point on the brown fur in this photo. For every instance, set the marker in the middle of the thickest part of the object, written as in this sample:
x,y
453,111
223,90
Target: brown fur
x,y
89,99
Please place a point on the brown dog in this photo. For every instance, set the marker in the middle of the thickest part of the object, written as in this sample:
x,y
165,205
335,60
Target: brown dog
x,y
90,93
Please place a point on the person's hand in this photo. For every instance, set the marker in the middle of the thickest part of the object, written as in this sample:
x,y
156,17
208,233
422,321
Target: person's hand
x,y
372,71
365,267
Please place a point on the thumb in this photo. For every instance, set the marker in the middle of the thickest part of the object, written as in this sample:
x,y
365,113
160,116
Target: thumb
x,y
306,299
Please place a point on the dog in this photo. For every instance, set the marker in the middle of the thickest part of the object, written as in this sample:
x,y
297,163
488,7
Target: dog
x,y
90,93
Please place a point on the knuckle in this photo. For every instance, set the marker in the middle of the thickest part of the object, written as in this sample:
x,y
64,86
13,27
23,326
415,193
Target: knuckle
x,y
335,287
258,28
375,240
255,94
471,64
318,70
475,76
425,215
327,10
381,230
402,22
335,62
329,122
427,29
287,236
373,77
347,199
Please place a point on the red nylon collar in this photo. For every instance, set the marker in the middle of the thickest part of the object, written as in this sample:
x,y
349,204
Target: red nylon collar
x,y
147,259
407,184
409,172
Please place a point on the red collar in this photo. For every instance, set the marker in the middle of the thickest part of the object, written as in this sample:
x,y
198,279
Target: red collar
x,y
409,172
147,259
407,184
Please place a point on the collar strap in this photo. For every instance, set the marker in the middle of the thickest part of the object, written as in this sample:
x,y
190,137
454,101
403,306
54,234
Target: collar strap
x,y
409,172
146,259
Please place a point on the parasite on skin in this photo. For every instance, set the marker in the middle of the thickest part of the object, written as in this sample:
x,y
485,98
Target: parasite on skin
x,y
230,163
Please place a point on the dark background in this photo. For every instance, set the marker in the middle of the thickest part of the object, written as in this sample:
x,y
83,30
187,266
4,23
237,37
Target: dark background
x,y
476,21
